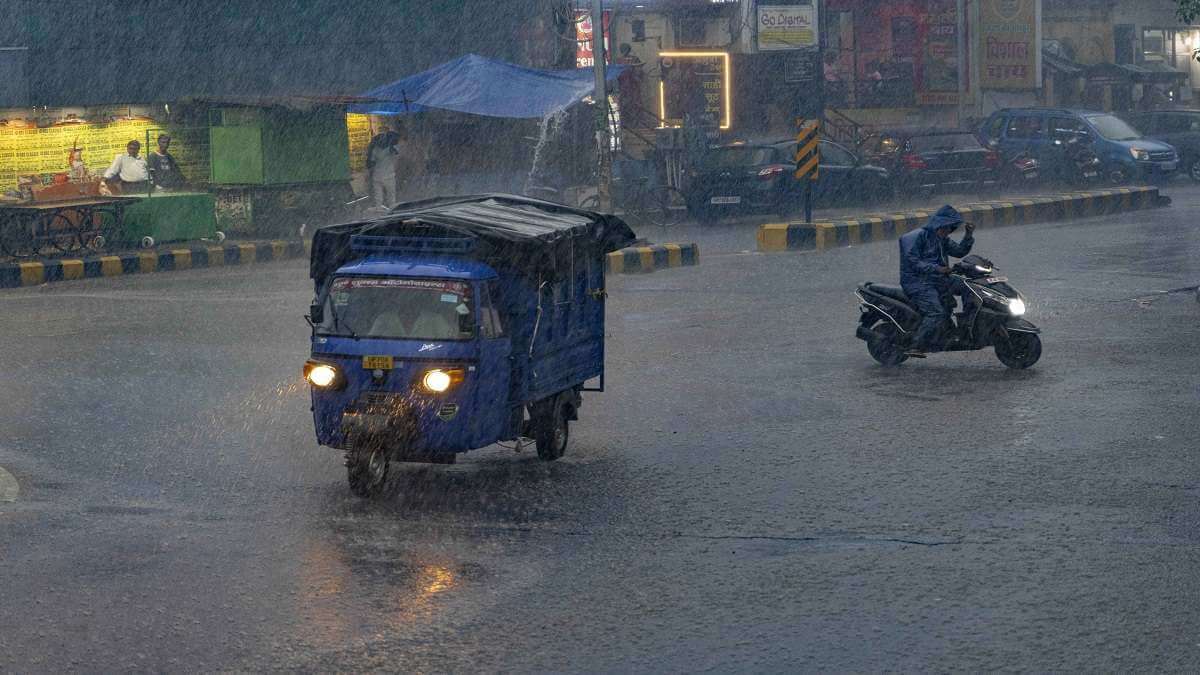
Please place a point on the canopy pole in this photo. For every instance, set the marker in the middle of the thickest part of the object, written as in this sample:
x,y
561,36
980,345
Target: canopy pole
x,y
604,165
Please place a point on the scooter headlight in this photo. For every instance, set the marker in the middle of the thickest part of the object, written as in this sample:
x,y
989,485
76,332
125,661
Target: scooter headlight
x,y
1016,306
321,375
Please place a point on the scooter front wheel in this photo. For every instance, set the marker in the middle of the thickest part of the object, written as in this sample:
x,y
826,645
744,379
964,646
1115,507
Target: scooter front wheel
x,y
886,351
1020,350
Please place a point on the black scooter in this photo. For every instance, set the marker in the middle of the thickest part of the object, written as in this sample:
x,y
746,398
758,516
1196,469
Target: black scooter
x,y
991,317
1078,164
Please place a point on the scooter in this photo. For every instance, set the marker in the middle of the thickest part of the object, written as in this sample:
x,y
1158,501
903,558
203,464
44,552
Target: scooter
x,y
992,316
1079,165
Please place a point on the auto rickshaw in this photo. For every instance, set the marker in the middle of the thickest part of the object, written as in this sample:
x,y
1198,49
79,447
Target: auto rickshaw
x,y
451,324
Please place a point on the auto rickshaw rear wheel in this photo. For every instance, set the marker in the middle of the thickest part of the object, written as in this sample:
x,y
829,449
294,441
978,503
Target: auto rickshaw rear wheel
x,y
551,431
366,471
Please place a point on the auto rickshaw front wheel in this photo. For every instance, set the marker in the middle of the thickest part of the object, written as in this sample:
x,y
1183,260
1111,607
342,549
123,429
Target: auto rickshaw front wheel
x,y
366,471
550,429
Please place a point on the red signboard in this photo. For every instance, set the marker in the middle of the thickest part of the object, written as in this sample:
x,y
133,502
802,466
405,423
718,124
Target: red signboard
x,y
584,57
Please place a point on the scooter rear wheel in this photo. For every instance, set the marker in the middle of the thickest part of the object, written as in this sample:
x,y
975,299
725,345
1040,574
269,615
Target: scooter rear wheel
x,y
1020,351
887,352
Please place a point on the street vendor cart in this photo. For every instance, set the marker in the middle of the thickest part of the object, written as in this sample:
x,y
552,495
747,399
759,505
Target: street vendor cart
x,y
39,227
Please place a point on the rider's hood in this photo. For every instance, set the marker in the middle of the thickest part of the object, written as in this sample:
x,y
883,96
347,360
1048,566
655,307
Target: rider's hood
x,y
947,216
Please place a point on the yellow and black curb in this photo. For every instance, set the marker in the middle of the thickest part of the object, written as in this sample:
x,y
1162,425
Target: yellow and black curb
x,y
39,272
834,234
642,259
636,259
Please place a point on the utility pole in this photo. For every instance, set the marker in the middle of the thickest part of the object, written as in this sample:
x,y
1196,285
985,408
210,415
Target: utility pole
x,y
604,166
960,58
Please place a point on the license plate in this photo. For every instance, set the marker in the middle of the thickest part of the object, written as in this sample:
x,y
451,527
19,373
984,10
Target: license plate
x,y
377,362
725,200
1168,166
1090,174
994,280
1031,175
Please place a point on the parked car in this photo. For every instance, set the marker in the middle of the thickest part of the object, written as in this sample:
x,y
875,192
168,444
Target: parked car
x,y
760,178
927,159
1180,128
1123,152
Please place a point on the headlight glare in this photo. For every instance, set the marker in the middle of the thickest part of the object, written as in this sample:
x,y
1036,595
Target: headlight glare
x,y
436,381
1016,306
321,375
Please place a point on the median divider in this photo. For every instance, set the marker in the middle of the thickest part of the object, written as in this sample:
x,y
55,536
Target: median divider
x,y
632,260
644,259
37,272
822,236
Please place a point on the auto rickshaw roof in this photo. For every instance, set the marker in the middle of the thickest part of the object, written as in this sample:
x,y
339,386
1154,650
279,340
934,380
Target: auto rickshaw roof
x,y
529,236
446,268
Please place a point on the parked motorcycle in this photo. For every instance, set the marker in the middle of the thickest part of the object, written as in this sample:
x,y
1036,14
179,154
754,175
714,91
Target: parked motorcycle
x,y
1018,170
992,316
1078,164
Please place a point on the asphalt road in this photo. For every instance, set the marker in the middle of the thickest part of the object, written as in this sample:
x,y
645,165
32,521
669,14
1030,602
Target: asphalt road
x,y
752,493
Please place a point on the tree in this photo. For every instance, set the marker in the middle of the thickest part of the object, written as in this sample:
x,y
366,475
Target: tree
x,y
1187,10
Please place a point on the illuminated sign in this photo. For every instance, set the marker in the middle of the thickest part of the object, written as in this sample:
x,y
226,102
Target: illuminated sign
x,y
695,84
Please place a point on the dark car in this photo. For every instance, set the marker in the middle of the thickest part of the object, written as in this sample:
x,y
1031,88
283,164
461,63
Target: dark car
x,y
926,159
1123,152
760,178
1180,129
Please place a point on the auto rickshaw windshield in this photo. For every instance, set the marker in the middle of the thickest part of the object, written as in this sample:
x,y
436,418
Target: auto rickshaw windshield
x,y
398,308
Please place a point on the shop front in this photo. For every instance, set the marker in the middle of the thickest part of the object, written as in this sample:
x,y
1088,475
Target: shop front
x,y
892,60
65,187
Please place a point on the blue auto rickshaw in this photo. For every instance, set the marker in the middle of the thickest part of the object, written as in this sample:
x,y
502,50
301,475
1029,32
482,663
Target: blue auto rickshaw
x,y
455,323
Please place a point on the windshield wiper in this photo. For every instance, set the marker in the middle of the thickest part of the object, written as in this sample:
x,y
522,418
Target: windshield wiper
x,y
337,323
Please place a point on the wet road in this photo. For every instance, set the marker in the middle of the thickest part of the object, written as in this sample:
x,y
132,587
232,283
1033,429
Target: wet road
x,y
752,493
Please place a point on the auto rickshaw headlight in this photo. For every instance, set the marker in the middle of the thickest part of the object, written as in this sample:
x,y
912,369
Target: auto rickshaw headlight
x,y
439,380
321,375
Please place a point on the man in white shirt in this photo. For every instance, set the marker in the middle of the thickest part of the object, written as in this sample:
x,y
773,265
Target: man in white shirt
x,y
382,157
128,172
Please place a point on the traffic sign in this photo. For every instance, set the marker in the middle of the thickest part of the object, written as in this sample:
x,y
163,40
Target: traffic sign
x,y
808,149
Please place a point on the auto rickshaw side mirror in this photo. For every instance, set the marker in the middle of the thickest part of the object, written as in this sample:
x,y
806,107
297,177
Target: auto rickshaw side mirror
x,y
316,314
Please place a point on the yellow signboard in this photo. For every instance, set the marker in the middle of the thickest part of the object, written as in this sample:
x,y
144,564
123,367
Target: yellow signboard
x,y
1010,44
787,27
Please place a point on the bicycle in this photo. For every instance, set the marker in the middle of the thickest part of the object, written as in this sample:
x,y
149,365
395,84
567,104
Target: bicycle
x,y
642,203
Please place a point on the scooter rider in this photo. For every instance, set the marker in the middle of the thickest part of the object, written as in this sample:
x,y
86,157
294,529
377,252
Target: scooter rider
x,y
924,270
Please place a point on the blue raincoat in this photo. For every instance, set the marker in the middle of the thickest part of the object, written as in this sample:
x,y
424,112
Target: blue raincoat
x,y
921,253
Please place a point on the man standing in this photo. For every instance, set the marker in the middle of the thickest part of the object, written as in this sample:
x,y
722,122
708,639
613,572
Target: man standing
x,y
629,89
924,267
164,171
128,172
382,157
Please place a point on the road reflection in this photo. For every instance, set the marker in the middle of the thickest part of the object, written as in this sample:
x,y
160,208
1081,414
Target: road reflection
x,y
394,566
348,591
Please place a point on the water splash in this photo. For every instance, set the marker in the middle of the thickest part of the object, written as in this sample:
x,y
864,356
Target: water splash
x,y
537,183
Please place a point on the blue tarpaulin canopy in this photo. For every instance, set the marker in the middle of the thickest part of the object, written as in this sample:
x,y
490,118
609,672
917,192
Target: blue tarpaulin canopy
x,y
480,86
